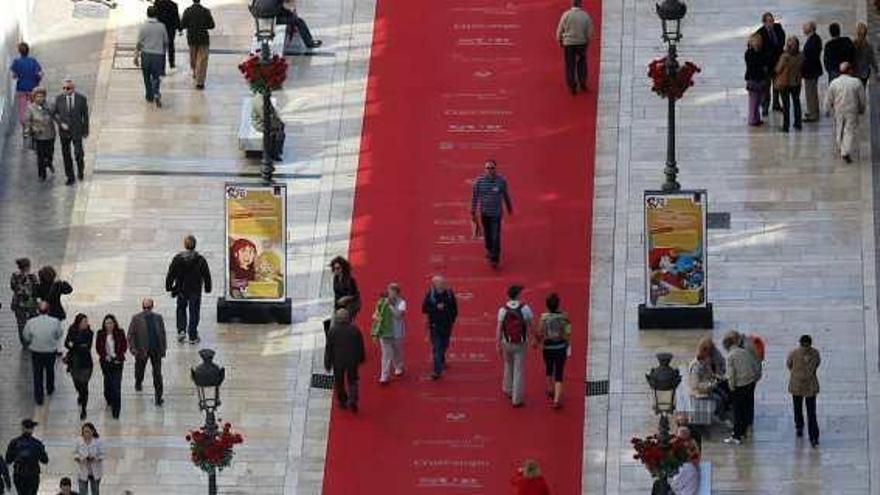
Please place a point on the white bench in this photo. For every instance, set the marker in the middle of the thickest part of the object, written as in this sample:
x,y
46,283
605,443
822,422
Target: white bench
x,y
279,44
705,478
699,412
250,140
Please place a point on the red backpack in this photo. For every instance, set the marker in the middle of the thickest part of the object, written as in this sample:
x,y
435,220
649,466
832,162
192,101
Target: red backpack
x,y
513,325
759,345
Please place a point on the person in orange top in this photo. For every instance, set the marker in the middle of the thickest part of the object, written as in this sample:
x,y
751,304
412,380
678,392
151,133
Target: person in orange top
x,y
529,481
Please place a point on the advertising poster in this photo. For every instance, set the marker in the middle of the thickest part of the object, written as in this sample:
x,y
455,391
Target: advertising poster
x,y
675,248
256,242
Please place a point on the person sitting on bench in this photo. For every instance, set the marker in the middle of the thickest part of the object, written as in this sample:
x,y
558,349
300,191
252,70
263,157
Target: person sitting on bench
x,y
276,126
288,16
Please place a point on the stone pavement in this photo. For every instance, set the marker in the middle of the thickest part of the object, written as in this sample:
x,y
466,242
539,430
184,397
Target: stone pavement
x,y
798,258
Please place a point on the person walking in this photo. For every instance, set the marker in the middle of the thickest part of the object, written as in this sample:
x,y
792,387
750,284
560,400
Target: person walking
x,y
79,359
554,334
23,284
168,14
511,337
152,43
71,111
838,49
865,60
42,334
845,100
111,344
803,385
772,44
51,289
39,125
197,21
489,191
89,456
146,341
528,480
27,74
188,274
756,77
811,71
25,452
389,329
574,31
743,373
788,82
441,309
344,353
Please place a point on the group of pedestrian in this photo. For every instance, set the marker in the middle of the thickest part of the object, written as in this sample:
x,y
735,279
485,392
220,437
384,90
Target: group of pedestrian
x,y
777,68
26,453
66,117
730,384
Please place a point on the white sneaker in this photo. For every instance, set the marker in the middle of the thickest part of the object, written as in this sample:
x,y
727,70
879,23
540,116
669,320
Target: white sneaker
x,y
733,441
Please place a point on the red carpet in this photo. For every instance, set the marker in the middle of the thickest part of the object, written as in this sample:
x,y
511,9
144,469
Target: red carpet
x,y
451,84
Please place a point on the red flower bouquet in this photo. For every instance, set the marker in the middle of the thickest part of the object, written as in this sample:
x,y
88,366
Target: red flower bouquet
x,y
264,77
663,460
671,86
213,452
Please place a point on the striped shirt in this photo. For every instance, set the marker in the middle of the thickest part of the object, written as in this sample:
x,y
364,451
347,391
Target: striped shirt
x,y
488,193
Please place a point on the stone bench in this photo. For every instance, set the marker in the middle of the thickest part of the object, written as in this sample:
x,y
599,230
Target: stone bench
x,y
705,478
250,140
699,411
280,44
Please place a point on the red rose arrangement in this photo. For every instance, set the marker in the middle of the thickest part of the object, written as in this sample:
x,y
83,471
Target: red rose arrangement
x,y
663,460
671,87
264,77
213,452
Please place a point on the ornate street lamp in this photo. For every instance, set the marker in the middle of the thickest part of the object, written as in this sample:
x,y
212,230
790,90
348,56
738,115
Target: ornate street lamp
x,y
207,378
265,12
664,380
671,12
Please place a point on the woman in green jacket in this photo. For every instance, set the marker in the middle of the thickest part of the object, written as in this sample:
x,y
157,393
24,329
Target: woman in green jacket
x,y
389,329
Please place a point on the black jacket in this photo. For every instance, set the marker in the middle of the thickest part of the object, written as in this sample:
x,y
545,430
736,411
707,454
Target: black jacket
x,y
837,51
772,50
197,20
812,67
167,14
25,453
441,308
346,287
79,348
345,347
187,273
52,293
756,65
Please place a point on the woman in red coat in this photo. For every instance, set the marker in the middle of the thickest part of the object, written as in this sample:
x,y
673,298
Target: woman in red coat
x,y
528,480
111,346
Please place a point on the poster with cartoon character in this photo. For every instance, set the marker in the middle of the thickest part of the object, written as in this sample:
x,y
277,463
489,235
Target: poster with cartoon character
x,y
675,248
256,242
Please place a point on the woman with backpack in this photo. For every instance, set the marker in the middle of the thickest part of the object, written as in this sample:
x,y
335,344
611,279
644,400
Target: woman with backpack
x,y
554,333
24,294
51,289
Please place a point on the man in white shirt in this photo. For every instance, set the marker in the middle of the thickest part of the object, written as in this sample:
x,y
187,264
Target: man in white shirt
x,y
514,320
573,34
42,333
845,100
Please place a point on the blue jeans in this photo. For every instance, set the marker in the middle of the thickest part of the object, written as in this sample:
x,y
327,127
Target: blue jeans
x,y
152,67
439,344
43,365
193,303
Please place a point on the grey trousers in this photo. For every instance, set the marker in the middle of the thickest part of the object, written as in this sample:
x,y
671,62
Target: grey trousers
x,y
811,95
513,383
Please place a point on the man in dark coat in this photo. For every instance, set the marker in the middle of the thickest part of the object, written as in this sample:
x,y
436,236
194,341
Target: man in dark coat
x,y
71,111
146,342
812,71
773,43
197,21
838,49
441,309
167,13
344,353
187,275
26,453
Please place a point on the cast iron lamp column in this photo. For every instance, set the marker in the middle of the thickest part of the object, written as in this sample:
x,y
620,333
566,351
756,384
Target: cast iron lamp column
x,y
265,12
671,12
663,380
208,377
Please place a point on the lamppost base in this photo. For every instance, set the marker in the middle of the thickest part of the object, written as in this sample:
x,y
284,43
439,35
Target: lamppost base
x,y
675,318
230,311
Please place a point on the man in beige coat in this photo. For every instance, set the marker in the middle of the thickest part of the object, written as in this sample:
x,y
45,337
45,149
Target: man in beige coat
x,y
845,100
803,386
573,34
146,340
